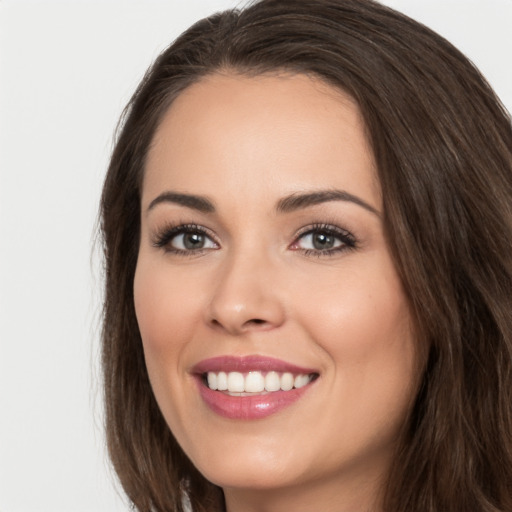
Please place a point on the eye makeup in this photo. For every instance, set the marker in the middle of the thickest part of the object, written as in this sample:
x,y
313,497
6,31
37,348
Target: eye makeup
x,y
184,239
318,239
324,240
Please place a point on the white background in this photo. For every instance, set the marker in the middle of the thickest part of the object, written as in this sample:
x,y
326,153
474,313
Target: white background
x,y
66,71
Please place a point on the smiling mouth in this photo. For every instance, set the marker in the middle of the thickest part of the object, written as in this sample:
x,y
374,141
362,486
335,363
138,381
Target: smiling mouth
x,y
251,387
255,382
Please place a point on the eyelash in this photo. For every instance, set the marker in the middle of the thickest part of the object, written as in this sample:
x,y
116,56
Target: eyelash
x,y
164,237
169,232
348,241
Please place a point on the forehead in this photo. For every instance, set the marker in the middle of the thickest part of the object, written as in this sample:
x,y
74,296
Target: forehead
x,y
268,135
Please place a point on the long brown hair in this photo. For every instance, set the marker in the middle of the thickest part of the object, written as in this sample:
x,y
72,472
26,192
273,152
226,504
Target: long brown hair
x,y
443,146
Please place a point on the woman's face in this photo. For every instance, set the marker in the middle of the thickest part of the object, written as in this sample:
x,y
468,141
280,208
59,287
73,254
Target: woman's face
x,y
263,266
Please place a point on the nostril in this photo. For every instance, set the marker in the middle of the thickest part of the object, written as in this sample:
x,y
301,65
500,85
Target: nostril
x,y
255,323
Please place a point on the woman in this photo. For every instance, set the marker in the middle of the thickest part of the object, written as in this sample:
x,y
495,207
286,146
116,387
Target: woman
x,y
308,223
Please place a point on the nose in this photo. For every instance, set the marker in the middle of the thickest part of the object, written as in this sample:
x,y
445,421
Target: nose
x,y
245,296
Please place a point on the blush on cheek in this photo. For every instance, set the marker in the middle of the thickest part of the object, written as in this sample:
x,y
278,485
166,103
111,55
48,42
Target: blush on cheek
x,y
164,313
149,311
360,327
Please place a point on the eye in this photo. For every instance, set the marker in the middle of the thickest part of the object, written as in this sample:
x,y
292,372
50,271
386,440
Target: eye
x,y
185,239
191,241
323,240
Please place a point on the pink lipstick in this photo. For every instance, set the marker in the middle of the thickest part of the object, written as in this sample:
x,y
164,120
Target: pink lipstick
x,y
251,387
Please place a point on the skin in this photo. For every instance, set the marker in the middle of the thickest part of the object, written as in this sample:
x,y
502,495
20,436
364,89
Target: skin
x,y
245,143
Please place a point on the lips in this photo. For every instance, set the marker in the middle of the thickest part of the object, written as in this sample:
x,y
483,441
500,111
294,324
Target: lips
x,y
251,387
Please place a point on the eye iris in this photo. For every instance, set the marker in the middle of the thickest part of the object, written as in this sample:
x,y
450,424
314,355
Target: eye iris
x,y
322,241
193,241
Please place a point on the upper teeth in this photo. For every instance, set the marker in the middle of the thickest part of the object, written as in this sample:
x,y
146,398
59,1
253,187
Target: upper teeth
x,y
255,382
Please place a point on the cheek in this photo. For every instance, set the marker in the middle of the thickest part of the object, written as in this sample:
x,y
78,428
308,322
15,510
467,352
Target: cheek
x,y
346,305
362,323
364,331
166,310
166,317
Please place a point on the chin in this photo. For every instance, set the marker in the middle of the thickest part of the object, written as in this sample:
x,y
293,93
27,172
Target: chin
x,y
247,475
249,463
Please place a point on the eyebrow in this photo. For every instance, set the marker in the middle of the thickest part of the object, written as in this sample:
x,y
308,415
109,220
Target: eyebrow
x,y
299,201
288,204
199,203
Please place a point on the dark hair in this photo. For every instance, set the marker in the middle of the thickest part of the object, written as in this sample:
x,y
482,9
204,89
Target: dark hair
x,y
443,146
